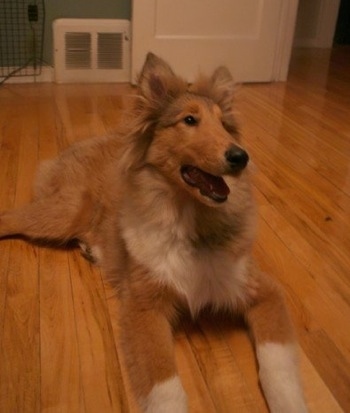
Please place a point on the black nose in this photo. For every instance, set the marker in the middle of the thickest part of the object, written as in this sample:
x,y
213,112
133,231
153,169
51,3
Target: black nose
x,y
237,158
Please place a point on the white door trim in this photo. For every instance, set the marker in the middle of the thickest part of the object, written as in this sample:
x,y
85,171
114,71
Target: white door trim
x,y
284,41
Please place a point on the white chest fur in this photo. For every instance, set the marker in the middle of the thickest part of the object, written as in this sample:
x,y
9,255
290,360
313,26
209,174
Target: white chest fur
x,y
201,275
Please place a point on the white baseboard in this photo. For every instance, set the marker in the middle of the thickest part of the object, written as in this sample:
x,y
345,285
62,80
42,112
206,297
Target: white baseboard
x,y
46,75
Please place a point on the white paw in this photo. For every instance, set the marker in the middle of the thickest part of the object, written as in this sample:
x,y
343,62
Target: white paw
x,y
279,376
168,396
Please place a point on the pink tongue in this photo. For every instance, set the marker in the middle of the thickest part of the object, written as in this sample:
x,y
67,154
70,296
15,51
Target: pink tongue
x,y
209,185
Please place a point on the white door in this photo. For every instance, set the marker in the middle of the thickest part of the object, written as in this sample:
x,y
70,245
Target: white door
x,y
253,38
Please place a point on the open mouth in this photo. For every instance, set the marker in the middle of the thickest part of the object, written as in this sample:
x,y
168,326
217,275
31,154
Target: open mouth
x,y
214,187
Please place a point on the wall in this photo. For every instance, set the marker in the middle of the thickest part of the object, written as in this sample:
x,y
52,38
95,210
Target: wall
x,y
307,19
316,21
108,9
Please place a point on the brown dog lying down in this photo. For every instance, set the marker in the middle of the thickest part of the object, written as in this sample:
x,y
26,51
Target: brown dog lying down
x,y
165,207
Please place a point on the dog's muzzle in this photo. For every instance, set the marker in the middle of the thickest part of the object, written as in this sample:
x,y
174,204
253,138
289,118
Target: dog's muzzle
x,y
213,186
237,158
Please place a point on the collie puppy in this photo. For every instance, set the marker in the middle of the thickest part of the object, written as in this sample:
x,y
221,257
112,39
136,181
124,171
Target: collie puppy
x,y
165,206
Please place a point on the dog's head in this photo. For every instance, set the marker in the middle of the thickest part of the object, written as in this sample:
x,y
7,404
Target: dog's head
x,y
194,140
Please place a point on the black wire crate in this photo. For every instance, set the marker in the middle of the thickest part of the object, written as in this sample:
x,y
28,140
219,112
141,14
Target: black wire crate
x,y
21,37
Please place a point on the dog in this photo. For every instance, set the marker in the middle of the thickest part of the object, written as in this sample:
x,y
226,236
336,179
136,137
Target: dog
x,y
165,206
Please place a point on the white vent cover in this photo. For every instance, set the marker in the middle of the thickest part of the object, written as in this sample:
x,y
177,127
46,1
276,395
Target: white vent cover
x,y
91,50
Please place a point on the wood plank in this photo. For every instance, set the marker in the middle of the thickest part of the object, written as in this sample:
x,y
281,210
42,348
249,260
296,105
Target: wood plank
x,y
20,352
9,149
20,344
102,383
226,384
322,226
333,367
328,161
61,382
244,354
330,275
193,381
318,396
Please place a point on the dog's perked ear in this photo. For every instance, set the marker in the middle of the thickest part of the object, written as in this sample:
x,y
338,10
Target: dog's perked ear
x,y
219,87
154,77
224,87
157,81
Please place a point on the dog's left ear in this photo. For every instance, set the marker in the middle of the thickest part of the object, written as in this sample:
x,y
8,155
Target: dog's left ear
x,y
224,87
155,77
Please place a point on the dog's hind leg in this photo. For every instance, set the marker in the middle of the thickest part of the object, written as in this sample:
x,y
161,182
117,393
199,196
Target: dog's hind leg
x,y
57,218
276,348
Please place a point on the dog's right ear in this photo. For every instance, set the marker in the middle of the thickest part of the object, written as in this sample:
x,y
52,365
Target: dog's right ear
x,y
155,78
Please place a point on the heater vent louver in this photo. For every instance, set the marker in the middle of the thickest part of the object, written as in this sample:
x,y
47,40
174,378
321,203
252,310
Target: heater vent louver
x,y
92,50
78,50
109,50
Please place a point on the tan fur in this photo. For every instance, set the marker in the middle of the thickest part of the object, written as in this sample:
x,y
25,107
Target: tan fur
x,y
163,244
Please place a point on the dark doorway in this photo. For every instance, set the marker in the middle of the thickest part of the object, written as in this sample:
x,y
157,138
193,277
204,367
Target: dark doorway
x,y
342,31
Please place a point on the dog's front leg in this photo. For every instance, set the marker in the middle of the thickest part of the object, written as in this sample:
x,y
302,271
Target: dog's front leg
x,y
276,347
148,349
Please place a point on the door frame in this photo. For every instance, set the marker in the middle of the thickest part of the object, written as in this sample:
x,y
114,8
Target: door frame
x,y
284,41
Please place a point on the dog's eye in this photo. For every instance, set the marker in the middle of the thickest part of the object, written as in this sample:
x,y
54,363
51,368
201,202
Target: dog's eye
x,y
190,120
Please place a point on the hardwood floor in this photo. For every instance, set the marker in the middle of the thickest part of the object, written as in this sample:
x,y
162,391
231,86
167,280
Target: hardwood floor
x,y
59,338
